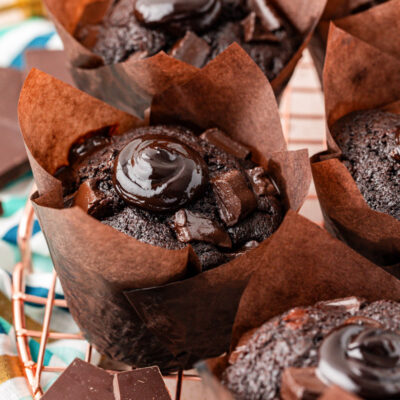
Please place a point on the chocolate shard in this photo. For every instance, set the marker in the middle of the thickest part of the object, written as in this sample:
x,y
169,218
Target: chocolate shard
x,y
143,383
261,184
301,384
191,49
192,226
336,393
220,139
88,198
234,198
253,31
349,304
267,15
82,380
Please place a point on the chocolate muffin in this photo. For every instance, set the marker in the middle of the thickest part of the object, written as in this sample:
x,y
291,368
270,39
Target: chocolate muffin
x,y
193,31
354,344
370,145
168,187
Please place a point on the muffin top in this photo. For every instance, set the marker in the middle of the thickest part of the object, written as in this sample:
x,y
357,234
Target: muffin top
x,y
193,31
370,145
308,337
168,187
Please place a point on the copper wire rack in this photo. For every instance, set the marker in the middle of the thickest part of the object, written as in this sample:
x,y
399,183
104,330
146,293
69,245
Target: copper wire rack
x,y
303,124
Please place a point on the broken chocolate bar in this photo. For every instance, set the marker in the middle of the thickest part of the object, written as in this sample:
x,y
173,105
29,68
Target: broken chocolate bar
x,y
83,381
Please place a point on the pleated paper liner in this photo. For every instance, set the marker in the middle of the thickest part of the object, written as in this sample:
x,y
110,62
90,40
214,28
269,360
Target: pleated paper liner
x,y
367,26
130,85
357,76
314,267
134,301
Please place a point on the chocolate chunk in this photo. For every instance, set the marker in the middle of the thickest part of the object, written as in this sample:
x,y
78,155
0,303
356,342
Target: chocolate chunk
x,y
88,198
301,384
253,31
234,198
261,184
143,383
82,380
192,226
219,139
268,17
191,49
349,304
1,209
336,393
13,157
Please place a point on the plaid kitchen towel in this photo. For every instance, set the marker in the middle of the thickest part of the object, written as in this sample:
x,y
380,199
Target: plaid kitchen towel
x,y
14,40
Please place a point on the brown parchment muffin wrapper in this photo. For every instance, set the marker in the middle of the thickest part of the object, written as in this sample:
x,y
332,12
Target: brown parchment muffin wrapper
x,y
130,85
376,26
314,267
136,302
357,76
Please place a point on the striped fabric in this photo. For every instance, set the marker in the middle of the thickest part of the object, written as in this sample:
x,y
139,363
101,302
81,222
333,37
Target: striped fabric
x,y
14,40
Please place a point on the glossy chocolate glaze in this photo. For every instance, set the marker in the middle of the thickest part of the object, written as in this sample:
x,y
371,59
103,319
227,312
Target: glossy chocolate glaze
x,y
196,15
362,359
158,173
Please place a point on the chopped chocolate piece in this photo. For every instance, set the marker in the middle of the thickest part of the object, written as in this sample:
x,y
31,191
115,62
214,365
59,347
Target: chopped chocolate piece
x,y
267,15
253,32
262,185
349,304
143,384
89,198
219,139
1,209
336,393
13,157
192,226
235,199
191,49
301,384
83,381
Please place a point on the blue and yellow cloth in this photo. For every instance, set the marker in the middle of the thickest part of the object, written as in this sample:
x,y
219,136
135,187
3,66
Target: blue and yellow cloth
x,y
14,40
